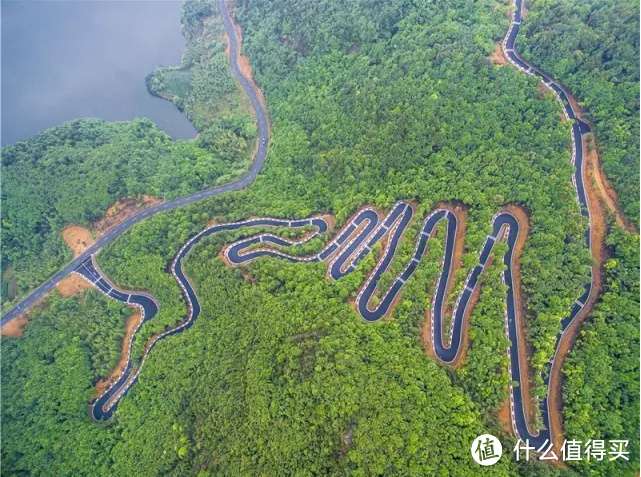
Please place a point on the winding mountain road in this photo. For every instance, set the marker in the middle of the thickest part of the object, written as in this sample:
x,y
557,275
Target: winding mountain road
x,y
351,245
259,159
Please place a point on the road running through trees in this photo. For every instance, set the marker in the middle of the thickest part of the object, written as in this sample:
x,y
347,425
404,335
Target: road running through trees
x,y
260,154
354,242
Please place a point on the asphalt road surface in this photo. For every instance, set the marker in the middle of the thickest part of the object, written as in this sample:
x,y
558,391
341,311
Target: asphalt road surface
x,y
343,254
115,232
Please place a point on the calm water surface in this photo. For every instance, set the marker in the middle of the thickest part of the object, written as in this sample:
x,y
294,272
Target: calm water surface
x,y
66,59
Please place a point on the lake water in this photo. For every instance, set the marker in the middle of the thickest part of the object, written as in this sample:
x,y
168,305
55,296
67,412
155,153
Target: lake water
x,y
66,59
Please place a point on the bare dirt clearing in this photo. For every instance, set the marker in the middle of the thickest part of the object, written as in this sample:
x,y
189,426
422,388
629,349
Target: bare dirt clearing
x,y
77,238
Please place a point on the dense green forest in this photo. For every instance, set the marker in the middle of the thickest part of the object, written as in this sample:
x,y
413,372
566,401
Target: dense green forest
x,y
71,174
47,379
602,373
370,102
592,47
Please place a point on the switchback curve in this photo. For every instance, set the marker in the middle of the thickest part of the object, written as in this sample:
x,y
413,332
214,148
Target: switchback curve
x,y
356,240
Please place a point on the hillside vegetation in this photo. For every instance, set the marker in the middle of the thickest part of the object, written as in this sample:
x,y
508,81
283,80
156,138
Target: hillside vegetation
x,y
370,102
592,47
72,173
602,373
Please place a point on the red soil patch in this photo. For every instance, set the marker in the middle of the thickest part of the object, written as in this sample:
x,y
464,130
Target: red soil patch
x,y
576,106
132,323
15,327
603,189
72,284
121,210
243,61
505,418
77,238
426,336
606,192
223,258
498,57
